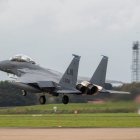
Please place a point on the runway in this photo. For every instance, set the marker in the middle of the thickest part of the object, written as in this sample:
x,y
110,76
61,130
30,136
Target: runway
x,y
71,134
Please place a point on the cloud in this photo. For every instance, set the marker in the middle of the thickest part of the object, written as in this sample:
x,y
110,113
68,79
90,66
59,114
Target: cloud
x,y
86,27
3,4
72,15
111,15
126,18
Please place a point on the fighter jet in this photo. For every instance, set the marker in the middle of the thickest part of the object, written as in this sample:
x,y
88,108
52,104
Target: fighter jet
x,y
97,82
30,77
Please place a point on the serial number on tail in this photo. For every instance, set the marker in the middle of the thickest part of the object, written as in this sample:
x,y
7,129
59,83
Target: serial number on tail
x,y
70,72
66,80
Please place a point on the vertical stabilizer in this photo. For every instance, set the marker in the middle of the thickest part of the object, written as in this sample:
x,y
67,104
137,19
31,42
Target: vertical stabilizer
x,y
69,79
99,75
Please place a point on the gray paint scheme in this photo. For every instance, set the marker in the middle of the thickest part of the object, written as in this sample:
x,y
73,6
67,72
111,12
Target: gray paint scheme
x,y
69,79
99,75
34,78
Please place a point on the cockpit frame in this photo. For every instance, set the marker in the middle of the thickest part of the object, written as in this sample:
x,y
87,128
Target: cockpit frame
x,y
22,58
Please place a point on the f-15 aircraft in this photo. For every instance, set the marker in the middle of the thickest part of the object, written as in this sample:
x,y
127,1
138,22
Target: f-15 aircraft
x,y
97,82
36,79
33,78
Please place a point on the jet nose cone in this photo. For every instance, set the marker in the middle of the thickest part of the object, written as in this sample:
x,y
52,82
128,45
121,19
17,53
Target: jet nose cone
x,y
3,65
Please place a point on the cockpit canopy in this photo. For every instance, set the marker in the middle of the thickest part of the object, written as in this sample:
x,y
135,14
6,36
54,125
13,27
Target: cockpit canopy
x,y
22,58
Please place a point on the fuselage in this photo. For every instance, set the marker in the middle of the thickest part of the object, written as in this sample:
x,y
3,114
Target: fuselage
x,y
16,68
21,68
36,79
27,73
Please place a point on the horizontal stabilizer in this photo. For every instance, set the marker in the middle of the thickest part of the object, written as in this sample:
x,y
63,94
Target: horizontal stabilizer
x,y
114,92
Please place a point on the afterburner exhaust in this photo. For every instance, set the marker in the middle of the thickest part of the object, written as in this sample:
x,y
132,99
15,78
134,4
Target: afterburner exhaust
x,y
87,88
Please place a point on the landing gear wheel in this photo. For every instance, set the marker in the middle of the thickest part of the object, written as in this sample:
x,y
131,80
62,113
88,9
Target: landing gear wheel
x,y
42,100
65,99
24,93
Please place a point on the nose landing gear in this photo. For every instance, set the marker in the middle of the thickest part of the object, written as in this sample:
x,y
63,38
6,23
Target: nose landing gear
x,y
24,93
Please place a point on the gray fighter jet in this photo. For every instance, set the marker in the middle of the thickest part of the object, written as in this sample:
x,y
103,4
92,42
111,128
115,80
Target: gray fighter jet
x,y
33,78
97,82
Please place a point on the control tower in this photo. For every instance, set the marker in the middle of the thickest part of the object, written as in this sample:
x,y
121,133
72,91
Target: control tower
x,y
135,62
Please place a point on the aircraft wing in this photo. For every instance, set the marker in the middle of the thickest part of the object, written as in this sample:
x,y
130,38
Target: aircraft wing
x,y
36,81
32,76
114,92
68,92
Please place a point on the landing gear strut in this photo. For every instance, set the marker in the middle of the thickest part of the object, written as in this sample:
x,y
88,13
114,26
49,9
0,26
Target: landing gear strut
x,y
65,99
42,100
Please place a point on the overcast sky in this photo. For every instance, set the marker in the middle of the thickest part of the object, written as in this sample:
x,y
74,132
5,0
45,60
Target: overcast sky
x,y
49,31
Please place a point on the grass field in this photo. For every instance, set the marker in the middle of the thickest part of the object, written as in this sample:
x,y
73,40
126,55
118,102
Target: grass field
x,y
110,115
103,120
82,108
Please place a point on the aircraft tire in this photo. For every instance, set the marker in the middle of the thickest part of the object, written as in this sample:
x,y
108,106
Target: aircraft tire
x,y
65,99
42,100
24,93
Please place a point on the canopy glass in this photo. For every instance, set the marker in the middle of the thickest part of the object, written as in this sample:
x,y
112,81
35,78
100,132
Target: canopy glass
x,y
22,58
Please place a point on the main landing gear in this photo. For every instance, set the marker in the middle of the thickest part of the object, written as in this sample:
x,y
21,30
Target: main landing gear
x,y
42,99
65,99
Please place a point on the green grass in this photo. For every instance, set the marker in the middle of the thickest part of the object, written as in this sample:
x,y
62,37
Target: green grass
x,y
109,107
107,120
110,115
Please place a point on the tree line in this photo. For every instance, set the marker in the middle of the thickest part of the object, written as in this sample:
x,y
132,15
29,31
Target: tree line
x,y
11,96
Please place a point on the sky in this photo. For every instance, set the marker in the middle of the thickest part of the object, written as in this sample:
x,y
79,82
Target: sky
x,y
50,31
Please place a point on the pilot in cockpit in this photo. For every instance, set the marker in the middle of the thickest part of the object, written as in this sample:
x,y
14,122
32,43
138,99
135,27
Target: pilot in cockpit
x,y
22,58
